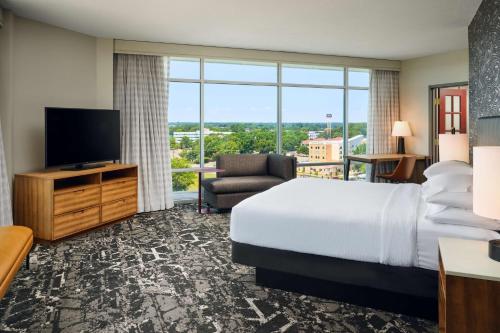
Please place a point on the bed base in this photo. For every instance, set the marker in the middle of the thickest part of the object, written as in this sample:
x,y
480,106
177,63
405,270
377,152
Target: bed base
x,y
362,296
406,290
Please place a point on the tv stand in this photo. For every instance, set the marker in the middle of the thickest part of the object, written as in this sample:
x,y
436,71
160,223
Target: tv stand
x,y
57,204
83,166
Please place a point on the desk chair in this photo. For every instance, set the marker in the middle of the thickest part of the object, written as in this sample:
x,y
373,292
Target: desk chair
x,y
403,171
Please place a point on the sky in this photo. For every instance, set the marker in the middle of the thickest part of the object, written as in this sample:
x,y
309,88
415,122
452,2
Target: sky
x,y
246,103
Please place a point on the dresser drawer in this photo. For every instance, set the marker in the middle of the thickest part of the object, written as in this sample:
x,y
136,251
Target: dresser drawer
x,y
119,209
70,223
73,200
118,190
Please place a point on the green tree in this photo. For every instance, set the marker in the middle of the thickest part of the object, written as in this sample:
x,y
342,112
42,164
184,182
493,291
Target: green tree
x,y
186,143
245,140
357,129
173,144
182,180
360,149
292,139
303,149
265,141
235,128
217,145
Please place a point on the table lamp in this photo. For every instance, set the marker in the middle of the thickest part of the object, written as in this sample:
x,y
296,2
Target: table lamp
x,y
401,129
454,147
486,191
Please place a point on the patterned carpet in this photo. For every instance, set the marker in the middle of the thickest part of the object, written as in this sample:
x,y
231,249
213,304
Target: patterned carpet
x,y
168,271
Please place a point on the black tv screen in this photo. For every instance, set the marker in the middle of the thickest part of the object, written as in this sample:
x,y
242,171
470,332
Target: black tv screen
x,y
79,136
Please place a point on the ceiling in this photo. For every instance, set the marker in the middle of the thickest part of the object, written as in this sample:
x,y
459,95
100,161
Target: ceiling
x,y
385,29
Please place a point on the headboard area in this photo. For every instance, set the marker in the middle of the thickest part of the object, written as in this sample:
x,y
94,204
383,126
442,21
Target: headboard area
x,y
488,131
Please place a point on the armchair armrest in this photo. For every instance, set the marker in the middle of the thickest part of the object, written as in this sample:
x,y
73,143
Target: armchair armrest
x,y
282,166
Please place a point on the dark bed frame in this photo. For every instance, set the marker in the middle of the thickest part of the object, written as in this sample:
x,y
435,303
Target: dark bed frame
x,y
406,290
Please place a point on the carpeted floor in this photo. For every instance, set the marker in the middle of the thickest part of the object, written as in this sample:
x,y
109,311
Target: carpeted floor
x,y
168,271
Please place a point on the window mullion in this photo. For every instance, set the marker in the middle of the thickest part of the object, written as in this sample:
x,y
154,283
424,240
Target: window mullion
x,y
202,112
345,132
279,127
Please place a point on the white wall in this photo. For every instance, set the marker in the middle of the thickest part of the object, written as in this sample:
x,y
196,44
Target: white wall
x,y
416,76
47,66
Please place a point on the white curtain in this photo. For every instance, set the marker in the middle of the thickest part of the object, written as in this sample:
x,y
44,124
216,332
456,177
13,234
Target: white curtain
x,y
383,111
5,203
140,93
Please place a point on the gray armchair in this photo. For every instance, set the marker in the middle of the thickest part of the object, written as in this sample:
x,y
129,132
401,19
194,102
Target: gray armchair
x,y
245,175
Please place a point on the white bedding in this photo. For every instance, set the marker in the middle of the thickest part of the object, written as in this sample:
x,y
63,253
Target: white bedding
x,y
361,221
428,233
351,220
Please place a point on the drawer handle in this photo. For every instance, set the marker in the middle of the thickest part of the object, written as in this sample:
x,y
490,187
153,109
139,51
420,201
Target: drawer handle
x,y
79,191
79,212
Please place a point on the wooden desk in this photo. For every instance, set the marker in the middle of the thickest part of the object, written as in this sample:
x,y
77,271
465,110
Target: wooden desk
x,y
199,171
374,159
469,287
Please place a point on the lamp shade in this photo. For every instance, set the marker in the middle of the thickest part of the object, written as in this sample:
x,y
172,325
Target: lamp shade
x,y
401,128
454,147
486,189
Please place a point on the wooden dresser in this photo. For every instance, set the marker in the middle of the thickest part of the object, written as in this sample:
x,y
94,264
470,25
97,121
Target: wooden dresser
x,y
469,287
56,204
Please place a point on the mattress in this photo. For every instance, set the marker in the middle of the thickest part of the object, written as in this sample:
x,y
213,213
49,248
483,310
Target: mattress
x,y
350,220
342,220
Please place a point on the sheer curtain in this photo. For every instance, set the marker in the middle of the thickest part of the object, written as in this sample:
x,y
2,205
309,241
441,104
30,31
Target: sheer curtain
x,y
383,111
140,93
5,203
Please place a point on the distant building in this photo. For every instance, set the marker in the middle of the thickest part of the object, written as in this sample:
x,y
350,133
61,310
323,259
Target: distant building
x,y
355,141
195,135
330,150
313,134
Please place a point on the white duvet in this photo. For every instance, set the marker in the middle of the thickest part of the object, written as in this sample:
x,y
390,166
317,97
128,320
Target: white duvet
x,y
351,220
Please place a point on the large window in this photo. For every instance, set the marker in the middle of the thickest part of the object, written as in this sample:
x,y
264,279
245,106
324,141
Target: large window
x,y
239,119
240,71
359,80
225,106
312,75
313,130
184,123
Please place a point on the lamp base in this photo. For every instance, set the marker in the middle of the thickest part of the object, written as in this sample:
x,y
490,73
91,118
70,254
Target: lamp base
x,y
494,249
401,145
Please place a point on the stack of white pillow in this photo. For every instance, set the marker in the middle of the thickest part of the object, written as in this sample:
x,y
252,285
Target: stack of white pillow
x,y
448,193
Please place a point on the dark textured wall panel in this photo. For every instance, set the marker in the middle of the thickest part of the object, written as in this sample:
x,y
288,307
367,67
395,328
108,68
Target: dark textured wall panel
x,y
484,64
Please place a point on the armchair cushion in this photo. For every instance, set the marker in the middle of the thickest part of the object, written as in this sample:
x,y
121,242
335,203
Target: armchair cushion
x,y
240,184
242,165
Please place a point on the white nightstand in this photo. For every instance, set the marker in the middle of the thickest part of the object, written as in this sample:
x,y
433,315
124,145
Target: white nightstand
x,y
469,287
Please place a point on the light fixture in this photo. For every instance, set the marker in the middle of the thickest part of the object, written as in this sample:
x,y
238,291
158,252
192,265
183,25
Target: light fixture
x,y
486,189
454,147
401,129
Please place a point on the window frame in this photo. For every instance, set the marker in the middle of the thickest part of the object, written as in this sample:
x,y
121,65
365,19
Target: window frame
x,y
279,85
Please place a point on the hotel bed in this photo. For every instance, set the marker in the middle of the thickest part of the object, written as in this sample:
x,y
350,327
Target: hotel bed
x,y
359,242
378,223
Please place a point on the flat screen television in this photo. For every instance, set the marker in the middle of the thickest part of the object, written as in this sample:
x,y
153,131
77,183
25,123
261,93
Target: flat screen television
x,y
77,137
